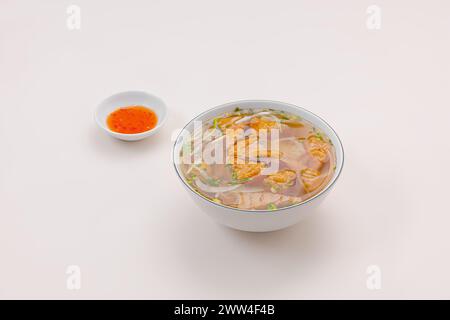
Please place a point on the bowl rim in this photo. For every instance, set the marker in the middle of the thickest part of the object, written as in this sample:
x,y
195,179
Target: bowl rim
x,y
265,211
161,120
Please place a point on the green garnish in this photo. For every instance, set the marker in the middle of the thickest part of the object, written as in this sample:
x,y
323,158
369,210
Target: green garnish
x,y
213,182
237,109
235,180
233,175
191,178
238,181
272,206
217,200
319,136
215,122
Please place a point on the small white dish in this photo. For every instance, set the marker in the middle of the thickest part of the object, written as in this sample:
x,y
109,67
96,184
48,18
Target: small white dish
x,y
130,98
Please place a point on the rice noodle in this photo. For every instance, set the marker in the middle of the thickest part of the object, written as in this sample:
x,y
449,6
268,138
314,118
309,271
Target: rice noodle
x,y
210,133
188,171
247,118
215,141
202,173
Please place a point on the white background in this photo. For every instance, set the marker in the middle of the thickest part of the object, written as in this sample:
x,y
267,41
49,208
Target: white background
x,y
70,195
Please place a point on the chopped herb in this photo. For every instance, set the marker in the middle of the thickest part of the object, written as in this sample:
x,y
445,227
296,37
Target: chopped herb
x,y
235,180
190,179
319,135
215,122
237,109
238,181
217,200
213,182
283,116
272,206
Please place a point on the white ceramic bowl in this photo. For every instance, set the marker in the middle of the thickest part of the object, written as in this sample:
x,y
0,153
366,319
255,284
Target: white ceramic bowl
x,y
261,220
130,98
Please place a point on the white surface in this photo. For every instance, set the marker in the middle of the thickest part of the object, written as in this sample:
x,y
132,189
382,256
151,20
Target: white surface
x,y
70,195
130,98
257,221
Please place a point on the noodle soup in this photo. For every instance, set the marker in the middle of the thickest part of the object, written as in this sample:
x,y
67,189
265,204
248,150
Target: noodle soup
x,y
257,159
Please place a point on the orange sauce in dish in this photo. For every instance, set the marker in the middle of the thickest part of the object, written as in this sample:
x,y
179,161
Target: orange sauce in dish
x,y
132,119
